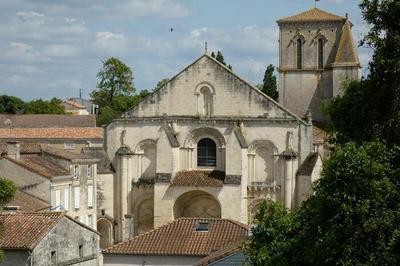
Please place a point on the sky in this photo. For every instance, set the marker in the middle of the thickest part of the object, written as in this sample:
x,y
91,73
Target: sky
x,y
53,48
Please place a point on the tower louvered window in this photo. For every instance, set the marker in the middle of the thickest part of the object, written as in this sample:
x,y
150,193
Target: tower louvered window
x,y
299,54
206,153
320,53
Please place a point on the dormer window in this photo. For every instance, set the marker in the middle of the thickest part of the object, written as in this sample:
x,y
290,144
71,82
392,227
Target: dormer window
x,y
299,47
203,227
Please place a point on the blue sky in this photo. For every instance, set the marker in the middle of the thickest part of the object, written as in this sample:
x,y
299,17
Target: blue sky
x,y
51,48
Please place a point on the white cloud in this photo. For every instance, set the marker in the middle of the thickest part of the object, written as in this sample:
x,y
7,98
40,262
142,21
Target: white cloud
x,y
22,52
110,42
61,50
154,8
244,40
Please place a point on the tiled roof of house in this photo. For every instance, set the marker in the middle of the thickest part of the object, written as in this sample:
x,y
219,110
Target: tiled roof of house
x,y
25,230
28,203
104,166
46,121
73,105
52,133
180,237
220,254
66,155
312,15
25,148
36,164
200,178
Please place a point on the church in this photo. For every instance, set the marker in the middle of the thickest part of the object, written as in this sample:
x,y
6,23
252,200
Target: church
x,y
209,144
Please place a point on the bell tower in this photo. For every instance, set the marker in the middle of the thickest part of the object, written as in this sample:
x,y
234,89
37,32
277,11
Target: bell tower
x,y
316,54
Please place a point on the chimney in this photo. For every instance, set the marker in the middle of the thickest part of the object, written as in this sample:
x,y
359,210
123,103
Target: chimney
x,y
13,150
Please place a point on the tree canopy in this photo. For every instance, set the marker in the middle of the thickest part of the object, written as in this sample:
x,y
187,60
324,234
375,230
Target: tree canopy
x,y
45,107
11,105
7,192
269,86
220,58
115,90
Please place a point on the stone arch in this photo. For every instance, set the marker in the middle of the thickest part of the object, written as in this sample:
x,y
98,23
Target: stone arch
x,y
146,153
205,99
106,230
192,139
198,204
144,214
263,163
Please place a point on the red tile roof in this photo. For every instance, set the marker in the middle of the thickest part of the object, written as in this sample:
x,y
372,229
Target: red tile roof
x,y
25,230
312,15
52,133
181,238
199,178
28,203
36,164
220,254
66,155
74,105
46,121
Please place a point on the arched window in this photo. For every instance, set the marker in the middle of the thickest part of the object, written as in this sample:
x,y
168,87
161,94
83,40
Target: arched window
x,y
299,54
206,101
320,53
206,153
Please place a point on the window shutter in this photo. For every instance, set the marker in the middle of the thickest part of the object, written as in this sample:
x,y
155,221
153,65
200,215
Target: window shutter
x,y
77,197
66,199
58,200
90,196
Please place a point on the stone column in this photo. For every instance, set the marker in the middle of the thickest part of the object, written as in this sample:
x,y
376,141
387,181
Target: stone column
x,y
290,157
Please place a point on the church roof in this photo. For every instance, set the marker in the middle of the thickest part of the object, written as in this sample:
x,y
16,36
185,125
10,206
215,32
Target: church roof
x,y
312,15
347,53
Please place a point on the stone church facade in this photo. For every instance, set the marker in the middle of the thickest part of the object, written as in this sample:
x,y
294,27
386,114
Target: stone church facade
x,y
209,144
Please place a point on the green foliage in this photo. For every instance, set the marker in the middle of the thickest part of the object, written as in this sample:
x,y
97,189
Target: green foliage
x,y
116,79
271,235
45,107
220,58
352,218
11,105
269,86
115,90
161,83
7,192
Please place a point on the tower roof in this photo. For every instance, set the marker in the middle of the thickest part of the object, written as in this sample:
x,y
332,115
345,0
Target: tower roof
x,y
312,15
347,53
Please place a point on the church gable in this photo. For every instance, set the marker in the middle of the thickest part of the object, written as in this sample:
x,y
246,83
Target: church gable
x,y
206,88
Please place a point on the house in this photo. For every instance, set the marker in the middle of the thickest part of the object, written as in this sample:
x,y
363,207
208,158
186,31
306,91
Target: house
x,y
51,238
65,179
184,241
70,132
74,108
231,255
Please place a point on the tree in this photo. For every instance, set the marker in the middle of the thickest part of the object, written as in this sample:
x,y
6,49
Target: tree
x,y
161,83
220,58
269,83
115,90
45,107
11,105
116,79
352,218
7,192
